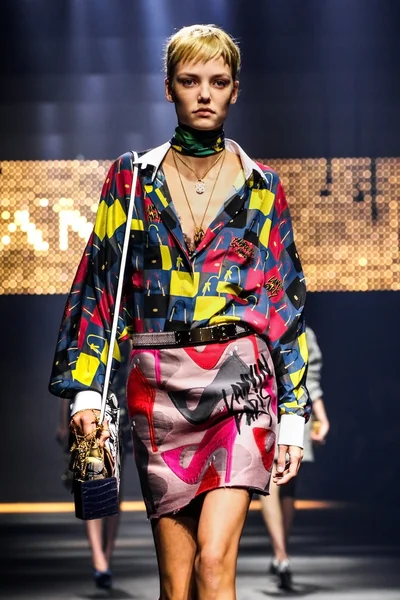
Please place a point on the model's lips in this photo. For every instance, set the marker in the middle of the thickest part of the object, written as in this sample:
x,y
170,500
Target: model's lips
x,y
204,110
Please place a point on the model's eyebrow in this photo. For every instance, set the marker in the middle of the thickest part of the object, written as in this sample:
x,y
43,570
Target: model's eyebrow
x,y
217,76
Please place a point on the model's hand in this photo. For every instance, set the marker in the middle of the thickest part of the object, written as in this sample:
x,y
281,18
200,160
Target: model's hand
x,y
286,470
85,421
318,435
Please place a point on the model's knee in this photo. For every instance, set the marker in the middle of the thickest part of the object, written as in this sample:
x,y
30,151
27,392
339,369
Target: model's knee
x,y
210,566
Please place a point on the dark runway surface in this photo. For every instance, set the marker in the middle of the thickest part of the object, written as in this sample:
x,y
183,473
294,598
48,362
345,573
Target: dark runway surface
x,y
346,554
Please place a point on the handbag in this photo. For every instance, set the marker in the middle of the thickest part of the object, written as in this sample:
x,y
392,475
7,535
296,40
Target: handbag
x,y
96,470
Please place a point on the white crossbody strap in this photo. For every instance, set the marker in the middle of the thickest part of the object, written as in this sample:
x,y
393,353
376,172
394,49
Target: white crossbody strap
x,y
119,290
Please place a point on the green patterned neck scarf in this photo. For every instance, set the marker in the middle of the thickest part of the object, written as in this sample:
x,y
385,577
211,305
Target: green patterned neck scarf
x,y
193,142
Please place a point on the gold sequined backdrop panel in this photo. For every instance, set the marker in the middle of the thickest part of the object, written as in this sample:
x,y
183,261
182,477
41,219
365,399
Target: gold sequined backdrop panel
x,y
346,220
47,213
345,213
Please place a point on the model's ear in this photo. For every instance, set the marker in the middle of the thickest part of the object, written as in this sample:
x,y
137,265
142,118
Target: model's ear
x,y
235,91
168,90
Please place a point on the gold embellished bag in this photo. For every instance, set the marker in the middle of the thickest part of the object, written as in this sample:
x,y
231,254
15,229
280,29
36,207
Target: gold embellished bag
x,y
96,470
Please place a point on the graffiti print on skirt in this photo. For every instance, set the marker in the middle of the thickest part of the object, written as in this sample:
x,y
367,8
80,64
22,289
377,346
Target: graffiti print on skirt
x,y
202,417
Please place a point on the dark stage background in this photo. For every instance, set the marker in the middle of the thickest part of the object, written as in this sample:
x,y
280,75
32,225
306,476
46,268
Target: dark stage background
x,y
320,79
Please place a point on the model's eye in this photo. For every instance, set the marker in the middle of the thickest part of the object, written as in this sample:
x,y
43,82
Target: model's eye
x,y
187,82
221,83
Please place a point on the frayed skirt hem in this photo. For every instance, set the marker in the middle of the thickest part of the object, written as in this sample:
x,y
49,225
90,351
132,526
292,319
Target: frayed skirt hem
x,y
174,511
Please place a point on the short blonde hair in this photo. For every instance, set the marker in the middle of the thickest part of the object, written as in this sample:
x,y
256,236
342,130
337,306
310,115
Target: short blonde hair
x,y
201,42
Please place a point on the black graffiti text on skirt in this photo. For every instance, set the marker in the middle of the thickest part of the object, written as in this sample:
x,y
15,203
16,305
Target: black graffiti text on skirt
x,y
249,398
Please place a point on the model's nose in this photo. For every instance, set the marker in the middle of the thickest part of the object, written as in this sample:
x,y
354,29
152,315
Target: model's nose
x,y
204,94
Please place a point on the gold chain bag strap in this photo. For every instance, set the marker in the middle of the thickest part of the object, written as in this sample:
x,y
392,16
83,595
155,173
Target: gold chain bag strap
x,y
97,470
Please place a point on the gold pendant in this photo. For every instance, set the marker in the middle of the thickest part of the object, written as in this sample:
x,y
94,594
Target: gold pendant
x,y
198,235
200,186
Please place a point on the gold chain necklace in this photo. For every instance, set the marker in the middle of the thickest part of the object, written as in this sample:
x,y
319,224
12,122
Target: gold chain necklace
x,y
198,229
200,185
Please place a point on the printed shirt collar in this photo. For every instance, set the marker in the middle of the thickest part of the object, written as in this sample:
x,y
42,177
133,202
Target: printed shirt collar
x,y
155,157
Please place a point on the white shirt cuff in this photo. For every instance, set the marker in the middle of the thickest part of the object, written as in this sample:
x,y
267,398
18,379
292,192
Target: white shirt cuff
x,y
89,399
291,430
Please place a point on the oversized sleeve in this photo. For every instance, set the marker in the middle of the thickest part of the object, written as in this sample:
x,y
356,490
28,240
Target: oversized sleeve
x,y
286,288
83,341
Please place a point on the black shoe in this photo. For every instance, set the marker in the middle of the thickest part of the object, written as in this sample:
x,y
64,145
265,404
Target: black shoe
x,y
103,579
284,574
273,567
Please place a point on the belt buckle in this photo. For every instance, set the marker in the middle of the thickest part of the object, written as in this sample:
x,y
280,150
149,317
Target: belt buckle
x,y
215,333
204,334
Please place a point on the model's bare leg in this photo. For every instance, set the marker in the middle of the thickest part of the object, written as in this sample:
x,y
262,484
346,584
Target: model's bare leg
x,y
288,511
220,527
272,512
175,541
110,534
95,537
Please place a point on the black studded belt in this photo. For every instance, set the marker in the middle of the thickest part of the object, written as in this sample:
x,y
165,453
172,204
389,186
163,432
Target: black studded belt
x,y
191,337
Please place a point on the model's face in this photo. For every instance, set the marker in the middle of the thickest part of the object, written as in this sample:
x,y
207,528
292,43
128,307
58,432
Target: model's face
x,y
202,93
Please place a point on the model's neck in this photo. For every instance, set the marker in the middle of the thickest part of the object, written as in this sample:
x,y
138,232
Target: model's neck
x,y
198,143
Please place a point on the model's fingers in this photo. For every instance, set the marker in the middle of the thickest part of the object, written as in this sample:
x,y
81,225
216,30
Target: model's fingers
x,y
281,462
288,473
104,435
294,465
89,420
292,468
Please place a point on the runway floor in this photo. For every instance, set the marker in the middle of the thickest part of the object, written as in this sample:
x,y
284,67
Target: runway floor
x,y
350,554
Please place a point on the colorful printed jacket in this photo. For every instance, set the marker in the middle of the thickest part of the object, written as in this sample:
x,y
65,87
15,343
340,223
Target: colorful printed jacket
x,y
245,269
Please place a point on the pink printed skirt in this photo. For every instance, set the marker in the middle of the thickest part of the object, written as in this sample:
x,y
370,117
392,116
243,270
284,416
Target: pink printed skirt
x,y
203,417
